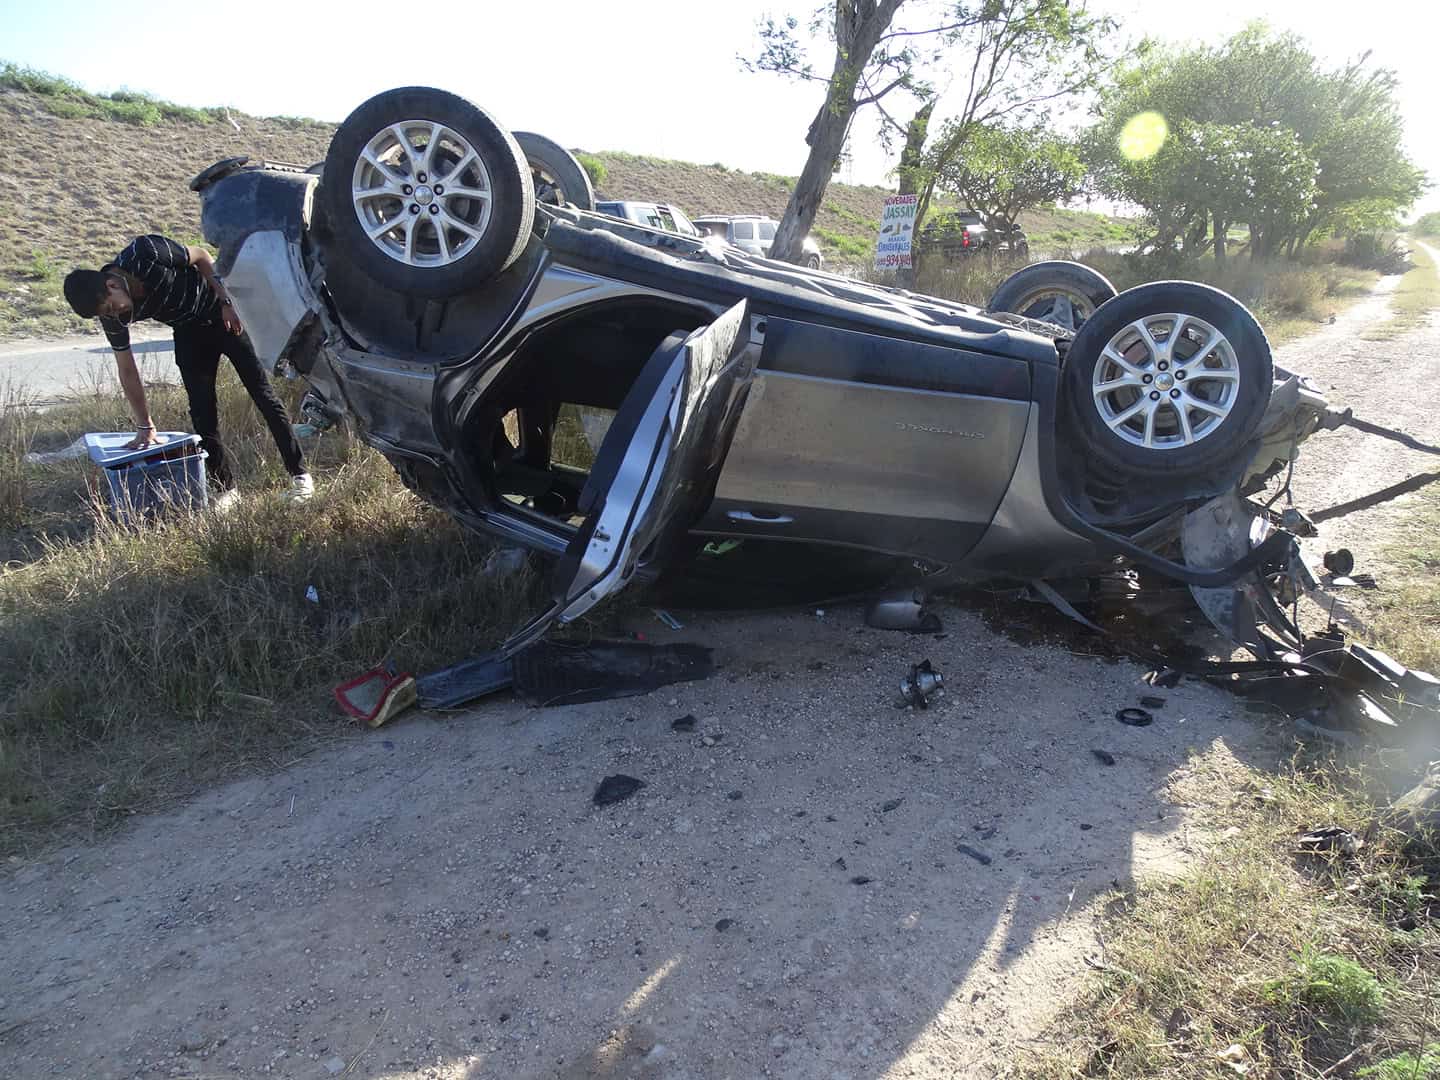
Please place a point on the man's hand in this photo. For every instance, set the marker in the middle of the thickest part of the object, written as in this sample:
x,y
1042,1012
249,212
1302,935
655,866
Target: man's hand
x,y
229,319
143,438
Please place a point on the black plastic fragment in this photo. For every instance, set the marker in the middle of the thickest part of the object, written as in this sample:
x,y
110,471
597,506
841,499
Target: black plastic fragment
x,y
974,853
860,879
1104,757
616,788
1135,717
1151,702
1341,563
683,723
557,673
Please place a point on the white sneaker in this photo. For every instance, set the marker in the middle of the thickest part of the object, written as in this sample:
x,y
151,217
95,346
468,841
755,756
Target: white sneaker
x,y
301,487
222,502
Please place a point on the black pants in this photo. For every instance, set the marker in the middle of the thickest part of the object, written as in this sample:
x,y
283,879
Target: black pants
x,y
198,348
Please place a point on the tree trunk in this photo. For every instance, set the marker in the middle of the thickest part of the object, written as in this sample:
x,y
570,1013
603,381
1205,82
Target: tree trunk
x,y
912,155
859,25
1221,228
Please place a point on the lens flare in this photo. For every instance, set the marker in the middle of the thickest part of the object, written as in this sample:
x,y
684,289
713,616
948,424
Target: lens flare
x,y
1143,135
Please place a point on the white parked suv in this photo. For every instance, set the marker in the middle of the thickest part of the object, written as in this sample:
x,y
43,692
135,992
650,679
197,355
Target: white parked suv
x,y
753,233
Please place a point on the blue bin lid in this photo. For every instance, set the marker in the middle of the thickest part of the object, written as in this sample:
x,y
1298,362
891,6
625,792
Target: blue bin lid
x,y
107,448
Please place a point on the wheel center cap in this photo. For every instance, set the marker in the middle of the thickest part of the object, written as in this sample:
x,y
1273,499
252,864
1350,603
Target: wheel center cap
x,y
1164,381
423,195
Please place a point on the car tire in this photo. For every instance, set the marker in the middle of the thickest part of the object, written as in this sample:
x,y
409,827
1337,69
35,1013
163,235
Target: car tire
x,y
1156,405
441,243
561,178
1045,290
812,261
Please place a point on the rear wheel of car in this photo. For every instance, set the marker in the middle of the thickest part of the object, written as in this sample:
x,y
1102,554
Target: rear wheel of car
x,y
427,193
1170,377
558,178
1063,293
812,261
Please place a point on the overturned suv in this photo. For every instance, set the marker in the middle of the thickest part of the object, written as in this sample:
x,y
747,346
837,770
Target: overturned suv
x,y
611,395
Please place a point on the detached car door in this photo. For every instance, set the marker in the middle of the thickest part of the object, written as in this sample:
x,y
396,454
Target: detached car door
x,y
658,459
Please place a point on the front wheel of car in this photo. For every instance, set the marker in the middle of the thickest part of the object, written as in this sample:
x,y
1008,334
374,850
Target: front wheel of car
x,y
812,261
557,176
1168,378
1063,293
426,192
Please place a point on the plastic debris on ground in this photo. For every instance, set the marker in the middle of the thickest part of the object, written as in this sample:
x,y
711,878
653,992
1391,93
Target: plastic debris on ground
x,y
560,673
377,696
616,788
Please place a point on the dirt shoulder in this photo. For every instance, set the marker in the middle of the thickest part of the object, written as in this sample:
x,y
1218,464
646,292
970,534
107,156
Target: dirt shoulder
x,y
813,884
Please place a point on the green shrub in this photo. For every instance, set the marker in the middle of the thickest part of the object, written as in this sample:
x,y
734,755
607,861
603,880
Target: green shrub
x,y
1377,251
42,268
1428,224
594,168
1336,989
69,101
1407,1066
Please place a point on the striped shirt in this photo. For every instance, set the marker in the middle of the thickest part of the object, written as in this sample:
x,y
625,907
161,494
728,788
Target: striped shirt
x,y
175,292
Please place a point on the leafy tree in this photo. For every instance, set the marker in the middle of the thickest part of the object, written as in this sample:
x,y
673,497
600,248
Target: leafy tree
x,y
1428,224
1013,60
1259,134
1007,170
1009,56
870,62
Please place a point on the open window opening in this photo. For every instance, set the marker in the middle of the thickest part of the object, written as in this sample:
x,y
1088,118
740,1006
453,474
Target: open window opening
x,y
547,415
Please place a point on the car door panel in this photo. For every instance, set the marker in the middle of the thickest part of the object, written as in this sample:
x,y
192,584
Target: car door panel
x,y
648,473
874,463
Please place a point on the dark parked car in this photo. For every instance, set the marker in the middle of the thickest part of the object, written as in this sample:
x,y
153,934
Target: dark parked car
x,y
610,394
955,234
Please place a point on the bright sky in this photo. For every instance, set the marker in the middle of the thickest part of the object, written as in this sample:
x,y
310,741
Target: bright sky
x,y
648,76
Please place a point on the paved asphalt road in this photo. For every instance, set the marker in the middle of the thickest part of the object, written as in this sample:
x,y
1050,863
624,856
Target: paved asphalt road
x,y
43,371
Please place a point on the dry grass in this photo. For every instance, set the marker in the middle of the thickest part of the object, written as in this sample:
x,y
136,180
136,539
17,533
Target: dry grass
x,y
1263,961
1417,295
137,665
1407,611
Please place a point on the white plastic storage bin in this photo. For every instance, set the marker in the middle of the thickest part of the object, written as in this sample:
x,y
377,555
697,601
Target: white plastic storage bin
x,y
142,483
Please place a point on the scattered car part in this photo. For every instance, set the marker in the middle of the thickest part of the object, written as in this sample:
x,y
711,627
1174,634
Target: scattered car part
x,y
559,673
917,688
1133,717
1332,838
683,724
617,788
377,696
974,853
1340,562
426,193
558,178
1062,293
1150,702
902,609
